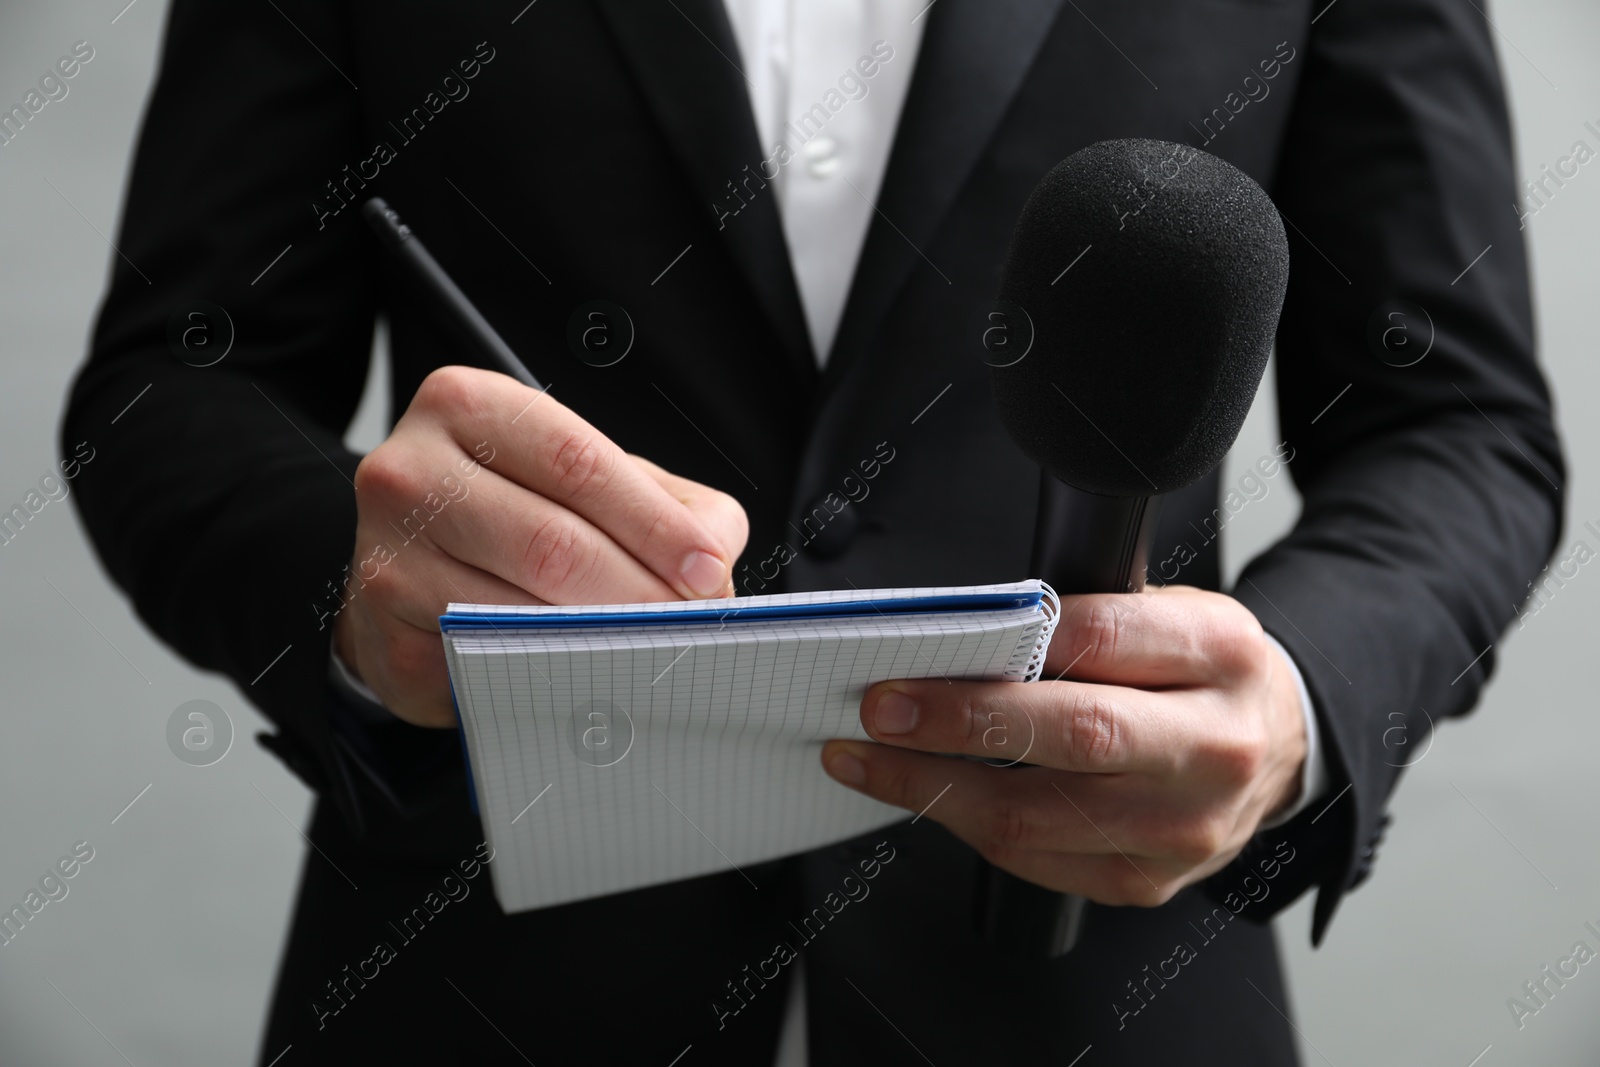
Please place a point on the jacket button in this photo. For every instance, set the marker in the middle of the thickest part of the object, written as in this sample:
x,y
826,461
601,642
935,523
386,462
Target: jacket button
x,y
825,533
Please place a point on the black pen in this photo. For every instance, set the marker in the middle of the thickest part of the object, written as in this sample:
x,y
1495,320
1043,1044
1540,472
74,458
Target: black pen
x,y
398,238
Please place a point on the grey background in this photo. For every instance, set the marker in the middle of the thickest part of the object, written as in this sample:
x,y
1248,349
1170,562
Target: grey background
x,y
165,947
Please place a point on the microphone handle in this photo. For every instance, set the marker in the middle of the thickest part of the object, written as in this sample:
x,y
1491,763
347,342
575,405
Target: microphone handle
x,y
1083,543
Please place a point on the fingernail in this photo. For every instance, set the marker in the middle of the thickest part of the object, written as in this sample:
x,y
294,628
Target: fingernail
x,y
847,769
895,713
704,573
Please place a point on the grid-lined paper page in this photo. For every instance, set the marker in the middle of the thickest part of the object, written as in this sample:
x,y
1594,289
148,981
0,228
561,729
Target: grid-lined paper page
x,y
615,758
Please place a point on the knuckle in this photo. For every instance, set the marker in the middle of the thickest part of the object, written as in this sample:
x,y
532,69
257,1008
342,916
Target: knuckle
x,y
380,475
1240,759
981,734
1009,825
895,783
1090,732
557,556
1100,630
732,514
660,531
1237,642
581,463
1196,841
1210,839
447,388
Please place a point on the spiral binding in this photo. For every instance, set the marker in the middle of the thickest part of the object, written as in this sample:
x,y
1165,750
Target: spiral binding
x,y
1028,664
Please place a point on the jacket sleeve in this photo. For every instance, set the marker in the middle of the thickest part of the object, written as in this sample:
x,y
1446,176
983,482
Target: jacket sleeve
x,y
1425,450
220,497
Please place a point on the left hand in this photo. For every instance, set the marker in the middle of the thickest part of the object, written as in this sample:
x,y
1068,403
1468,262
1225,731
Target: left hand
x,y
1179,733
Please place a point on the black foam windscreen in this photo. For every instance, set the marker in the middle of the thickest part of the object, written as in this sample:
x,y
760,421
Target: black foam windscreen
x,y
1151,276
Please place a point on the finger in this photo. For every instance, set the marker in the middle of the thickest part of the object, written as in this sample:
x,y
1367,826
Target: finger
x,y
1121,876
1070,726
417,583
1163,636
543,446
397,651
1013,808
1012,815
552,553
721,513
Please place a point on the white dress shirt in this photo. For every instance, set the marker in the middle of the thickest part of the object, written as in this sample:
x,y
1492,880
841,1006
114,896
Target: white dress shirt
x,y
827,79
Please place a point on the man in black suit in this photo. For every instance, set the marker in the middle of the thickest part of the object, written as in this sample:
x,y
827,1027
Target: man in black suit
x,y
557,153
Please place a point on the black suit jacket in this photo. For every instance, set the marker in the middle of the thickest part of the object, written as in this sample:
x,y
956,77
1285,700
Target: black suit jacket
x,y
593,145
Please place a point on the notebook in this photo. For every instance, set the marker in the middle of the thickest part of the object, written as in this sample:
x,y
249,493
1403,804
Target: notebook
x,y
620,746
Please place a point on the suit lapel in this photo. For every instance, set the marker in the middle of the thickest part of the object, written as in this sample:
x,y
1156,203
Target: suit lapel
x,y
973,58
684,54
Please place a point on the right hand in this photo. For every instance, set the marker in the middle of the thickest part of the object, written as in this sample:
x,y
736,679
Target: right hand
x,y
481,497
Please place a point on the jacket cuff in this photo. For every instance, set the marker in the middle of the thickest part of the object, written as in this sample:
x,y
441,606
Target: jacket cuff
x,y
1314,776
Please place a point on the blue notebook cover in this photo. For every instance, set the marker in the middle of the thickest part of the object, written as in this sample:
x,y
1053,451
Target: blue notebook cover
x,y
467,621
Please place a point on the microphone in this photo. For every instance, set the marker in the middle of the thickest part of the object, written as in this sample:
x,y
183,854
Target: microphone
x,y
1151,276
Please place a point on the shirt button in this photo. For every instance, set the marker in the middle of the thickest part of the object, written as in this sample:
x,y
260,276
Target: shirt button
x,y
822,156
